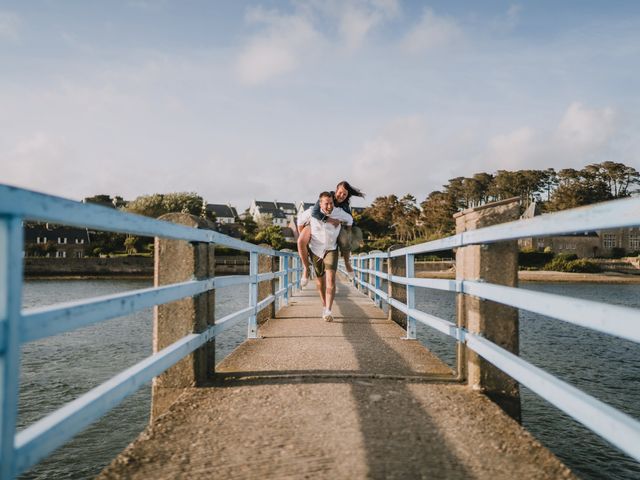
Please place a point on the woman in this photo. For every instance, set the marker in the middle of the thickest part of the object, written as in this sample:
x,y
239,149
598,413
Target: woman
x,y
341,198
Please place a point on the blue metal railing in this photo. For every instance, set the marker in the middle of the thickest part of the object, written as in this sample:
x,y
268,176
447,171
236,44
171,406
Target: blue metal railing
x,y
20,451
618,428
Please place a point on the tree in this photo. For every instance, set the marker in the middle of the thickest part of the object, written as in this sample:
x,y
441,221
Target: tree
x,y
437,213
249,227
271,235
405,218
159,204
130,244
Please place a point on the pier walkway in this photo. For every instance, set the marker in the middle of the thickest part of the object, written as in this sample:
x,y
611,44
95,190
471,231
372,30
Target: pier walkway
x,y
348,399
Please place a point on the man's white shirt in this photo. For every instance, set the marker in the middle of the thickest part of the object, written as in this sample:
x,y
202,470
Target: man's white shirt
x,y
324,235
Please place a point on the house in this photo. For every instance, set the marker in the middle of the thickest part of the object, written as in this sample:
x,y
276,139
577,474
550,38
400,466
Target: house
x,y
49,240
584,244
357,210
260,210
223,213
289,234
302,206
599,243
626,239
289,209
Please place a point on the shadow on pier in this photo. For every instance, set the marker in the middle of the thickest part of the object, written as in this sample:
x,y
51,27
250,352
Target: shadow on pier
x,y
347,399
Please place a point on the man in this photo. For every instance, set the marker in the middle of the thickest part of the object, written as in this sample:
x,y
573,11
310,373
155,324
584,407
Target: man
x,y
323,248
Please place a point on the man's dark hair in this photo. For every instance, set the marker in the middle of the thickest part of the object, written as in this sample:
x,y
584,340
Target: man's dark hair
x,y
325,194
353,191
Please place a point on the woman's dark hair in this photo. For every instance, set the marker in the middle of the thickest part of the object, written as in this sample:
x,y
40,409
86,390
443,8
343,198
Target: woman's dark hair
x,y
353,191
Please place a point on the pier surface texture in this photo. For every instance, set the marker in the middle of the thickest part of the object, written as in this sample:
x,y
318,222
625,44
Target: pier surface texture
x,y
339,400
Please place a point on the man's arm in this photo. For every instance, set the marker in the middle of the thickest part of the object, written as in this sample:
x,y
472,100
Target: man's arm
x,y
304,218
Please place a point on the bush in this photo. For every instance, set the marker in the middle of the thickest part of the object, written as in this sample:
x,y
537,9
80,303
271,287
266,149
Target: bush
x,y
570,263
531,259
582,266
618,252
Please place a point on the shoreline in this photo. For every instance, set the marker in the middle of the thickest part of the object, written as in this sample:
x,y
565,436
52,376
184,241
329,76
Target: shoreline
x,y
89,277
543,276
534,276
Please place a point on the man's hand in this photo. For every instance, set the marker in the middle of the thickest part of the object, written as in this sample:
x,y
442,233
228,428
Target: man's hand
x,y
333,221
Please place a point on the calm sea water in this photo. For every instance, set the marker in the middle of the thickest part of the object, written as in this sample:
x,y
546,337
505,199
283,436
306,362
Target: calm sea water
x,y
58,369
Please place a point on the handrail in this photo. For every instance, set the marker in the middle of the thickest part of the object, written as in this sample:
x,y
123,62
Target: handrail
x,y
20,451
618,428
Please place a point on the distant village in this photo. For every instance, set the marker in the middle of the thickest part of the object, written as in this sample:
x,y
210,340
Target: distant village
x,y
388,220
45,240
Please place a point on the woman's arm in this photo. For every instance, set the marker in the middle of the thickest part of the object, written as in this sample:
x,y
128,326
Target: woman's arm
x,y
317,213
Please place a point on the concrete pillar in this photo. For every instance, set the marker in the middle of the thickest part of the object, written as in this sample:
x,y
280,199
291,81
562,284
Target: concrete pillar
x,y
397,266
492,263
266,264
180,261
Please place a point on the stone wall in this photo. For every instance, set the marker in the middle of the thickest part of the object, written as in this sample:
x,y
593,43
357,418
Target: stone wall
x,y
116,266
88,266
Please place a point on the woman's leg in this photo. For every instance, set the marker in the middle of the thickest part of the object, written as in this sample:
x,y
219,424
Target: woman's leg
x,y
303,250
344,242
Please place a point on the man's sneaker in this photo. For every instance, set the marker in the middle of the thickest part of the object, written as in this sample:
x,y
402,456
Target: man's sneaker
x,y
326,315
305,279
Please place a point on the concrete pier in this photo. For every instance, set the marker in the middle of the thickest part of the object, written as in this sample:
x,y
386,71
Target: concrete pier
x,y
348,399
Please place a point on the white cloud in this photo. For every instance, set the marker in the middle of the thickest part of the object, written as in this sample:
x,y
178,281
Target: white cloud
x,y
583,130
287,41
517,147
410,155
357,19
431,32
581,136
41,159
278,49
10,25
509,20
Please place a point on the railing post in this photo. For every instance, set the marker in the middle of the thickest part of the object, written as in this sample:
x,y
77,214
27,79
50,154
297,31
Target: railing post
x,y
11,245
374,264
252,327
297,265
354,264
287,280
281,264
378,280
363,275
397,266
179,261
494,263
266,264
411,296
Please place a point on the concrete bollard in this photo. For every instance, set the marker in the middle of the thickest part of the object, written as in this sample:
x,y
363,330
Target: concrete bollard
x,y
492,263
180,261
397,266
266,264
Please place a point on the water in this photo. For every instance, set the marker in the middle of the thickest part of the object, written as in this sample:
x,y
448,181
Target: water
x,y
58,369
603,366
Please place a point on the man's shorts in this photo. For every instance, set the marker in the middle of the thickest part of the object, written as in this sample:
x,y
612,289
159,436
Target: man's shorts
x,y
329,262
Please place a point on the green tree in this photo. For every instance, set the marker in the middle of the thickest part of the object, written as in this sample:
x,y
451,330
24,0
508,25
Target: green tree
x,y
437,214
130,244
249,227
159,204
271,235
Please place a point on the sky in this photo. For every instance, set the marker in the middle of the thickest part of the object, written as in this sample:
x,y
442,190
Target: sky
x,y
279,100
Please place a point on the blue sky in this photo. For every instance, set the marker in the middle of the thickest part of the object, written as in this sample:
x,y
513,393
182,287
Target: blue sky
x,y
279,100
